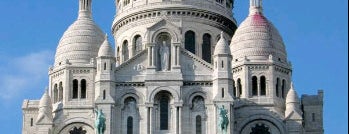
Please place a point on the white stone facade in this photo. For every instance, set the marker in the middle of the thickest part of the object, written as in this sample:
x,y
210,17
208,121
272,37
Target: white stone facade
x,y
251,77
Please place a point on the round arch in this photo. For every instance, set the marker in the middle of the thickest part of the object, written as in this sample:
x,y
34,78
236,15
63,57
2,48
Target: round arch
x,y
194,94
68,124
260,119
174,36
173,92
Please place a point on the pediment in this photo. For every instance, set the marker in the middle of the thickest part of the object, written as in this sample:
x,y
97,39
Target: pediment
x,y
133,69
194,68
164,25
161,24
294,115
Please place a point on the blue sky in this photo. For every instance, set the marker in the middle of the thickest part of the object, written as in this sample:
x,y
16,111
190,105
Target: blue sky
x,y
315,33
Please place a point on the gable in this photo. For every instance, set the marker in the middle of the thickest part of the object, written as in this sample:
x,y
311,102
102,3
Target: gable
x,y
133,69
194,68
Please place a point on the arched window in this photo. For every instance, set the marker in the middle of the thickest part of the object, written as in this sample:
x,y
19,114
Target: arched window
x,y
83,88
198,125
125,50
277,87
75,89
239,87
190,41
137,44
130,125
234,89
206,47
118,54
164,109
283,87
55,93
254,86
60,92
263,86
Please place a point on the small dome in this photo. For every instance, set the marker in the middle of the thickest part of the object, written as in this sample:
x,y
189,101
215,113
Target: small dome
x,y
106,49
222,46
81,41
292,96
45,101
257,38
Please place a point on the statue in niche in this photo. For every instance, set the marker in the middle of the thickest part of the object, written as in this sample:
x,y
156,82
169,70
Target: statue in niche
x,y
164,56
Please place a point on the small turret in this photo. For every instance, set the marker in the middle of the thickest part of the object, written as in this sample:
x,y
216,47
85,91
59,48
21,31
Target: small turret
x,y
105,49
45,109
222,75
292,103
105,73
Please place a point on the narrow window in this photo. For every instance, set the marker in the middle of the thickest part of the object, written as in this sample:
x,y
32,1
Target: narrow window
x,y
75,89
118,54
277,87
137,44
55,94
83,88
313,117
198,125
206,47
234,89
105,66
31,122
222,92
239,86
103,94
130,125
263,86
111,66
60,98
164,113
190,41
283,88
254,86
222,64
125,50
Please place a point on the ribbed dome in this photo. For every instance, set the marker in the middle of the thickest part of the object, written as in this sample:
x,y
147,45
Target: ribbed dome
x,y
222,46
81,41
292,96
257,38
106,49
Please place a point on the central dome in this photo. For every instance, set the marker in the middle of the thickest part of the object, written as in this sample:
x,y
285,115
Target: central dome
x,y
81,41
257,38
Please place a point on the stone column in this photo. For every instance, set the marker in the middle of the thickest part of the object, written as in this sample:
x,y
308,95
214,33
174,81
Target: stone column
x,y
150,122
176,56
149,55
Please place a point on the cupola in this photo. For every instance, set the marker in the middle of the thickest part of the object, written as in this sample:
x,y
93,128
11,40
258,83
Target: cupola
x,y
257,38
81,41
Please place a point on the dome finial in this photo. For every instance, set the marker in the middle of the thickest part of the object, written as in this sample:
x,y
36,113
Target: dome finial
x,y
292,86
256,7
222,36
85,8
